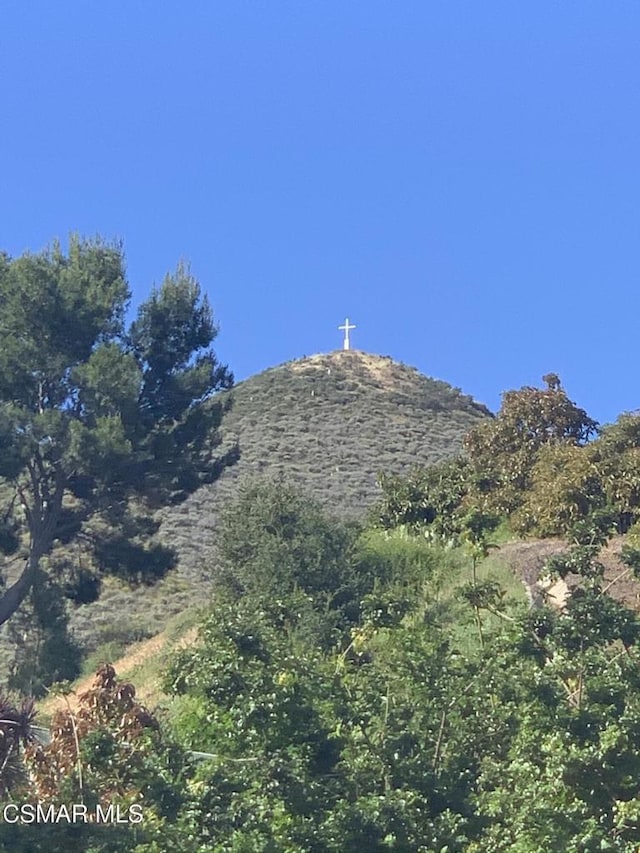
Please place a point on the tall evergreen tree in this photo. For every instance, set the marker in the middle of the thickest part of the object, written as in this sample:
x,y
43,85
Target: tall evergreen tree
x,y
99,422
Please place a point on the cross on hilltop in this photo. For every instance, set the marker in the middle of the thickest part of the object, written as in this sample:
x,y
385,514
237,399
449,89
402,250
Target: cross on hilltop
x,y
346,329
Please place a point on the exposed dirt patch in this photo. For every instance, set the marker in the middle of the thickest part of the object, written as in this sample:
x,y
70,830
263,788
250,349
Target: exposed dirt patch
x,y
623,585
555,594
527,560
379,367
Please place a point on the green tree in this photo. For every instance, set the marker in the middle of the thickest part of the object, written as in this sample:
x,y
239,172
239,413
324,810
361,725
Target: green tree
x,y
476,527
276,540
567,778
98,422
504,451
565,486
428,500
616,456
253,695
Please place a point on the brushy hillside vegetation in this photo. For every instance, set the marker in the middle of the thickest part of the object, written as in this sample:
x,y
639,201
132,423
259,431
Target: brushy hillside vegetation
x,y
385,684
355,688
329,424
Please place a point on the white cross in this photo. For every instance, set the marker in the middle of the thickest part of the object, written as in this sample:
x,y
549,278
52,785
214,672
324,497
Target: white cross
x,y
347,328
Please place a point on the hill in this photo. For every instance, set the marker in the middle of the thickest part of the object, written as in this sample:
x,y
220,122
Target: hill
x,y
329,424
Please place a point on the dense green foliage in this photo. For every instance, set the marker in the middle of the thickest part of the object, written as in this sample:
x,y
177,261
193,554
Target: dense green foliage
x,y
504,451
533,465
397,740
275,540
429,499
406,730
277,543
98,423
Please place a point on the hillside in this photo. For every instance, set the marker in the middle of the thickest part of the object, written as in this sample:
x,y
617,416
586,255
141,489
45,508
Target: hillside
x,y
328,423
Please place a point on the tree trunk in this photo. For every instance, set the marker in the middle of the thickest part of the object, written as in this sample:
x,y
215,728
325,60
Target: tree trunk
x,y
41,539
43,521
15,595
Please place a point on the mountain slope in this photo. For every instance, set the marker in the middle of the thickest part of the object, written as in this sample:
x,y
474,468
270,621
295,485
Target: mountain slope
x,y
329,424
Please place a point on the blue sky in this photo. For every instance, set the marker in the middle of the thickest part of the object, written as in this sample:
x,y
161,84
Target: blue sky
x,y
460,178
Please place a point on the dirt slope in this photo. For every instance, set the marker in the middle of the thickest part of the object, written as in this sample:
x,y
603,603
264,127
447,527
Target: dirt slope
x,y
527,560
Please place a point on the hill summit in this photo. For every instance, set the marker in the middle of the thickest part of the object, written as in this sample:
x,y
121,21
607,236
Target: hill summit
x,y
329,423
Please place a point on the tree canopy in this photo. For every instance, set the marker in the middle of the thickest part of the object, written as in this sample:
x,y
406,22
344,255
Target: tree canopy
x,y
503,451
533,464
99,422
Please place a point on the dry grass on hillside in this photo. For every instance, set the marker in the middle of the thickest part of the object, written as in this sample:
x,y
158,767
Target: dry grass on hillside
x,y
141,663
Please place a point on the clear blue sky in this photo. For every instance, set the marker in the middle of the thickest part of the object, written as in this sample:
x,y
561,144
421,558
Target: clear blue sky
x,y
462,179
